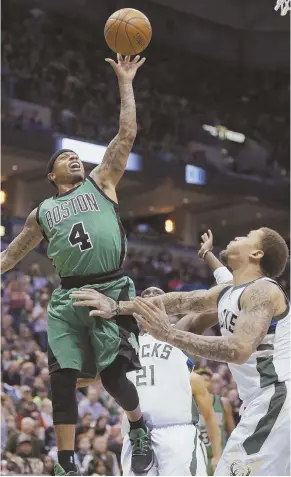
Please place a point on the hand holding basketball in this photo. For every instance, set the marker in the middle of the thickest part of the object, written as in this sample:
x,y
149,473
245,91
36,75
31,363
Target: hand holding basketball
x,y
126,69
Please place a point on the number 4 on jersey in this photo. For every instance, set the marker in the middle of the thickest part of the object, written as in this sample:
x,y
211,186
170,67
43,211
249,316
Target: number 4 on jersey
x,y
79,236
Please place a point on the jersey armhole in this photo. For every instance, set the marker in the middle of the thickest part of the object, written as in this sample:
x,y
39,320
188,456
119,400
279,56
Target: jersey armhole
x,y
222,293
115,204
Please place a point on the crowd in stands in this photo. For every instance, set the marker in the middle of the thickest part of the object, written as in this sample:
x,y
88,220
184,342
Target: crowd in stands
x,y
50,61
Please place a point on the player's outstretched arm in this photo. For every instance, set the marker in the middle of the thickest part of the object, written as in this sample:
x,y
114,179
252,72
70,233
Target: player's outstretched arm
x,y
259,304
204,402
220,272
110,171
229,420
29,238
174,303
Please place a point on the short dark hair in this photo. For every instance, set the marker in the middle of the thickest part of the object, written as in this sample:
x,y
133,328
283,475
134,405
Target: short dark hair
x,y
206,371
276,253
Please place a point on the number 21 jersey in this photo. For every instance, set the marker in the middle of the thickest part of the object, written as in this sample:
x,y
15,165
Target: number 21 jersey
x,y
163,383
83,230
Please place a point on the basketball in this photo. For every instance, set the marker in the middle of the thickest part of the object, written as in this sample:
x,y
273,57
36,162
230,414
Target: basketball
x,y
128,31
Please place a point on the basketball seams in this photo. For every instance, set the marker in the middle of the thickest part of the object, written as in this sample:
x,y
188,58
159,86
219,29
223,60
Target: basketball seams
x,y
116,34
129,38
134,26
110,26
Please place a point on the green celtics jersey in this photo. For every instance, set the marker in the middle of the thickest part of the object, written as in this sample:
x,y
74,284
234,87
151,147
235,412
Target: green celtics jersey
x,y
220,417
83,230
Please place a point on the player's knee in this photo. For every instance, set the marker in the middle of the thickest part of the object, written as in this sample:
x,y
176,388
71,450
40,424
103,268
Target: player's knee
x,y
64,401
120,387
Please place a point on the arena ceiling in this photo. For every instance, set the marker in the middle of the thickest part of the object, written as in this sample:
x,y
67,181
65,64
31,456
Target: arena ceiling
x,y
256,15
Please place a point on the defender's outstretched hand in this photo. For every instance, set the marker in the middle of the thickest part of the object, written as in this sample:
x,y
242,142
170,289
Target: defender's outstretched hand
x,y
105,307
125,68
153,318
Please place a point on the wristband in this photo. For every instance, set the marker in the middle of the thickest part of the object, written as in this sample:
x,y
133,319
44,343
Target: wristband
x,y
222,275
204,253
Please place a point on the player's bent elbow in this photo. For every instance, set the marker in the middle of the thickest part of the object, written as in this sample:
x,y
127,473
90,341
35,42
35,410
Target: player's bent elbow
x,y
242,356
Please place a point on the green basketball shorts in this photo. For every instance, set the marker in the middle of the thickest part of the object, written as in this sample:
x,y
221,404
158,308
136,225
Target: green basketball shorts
x,y
90,344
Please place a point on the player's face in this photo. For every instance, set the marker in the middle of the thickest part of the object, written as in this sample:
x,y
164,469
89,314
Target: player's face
x,y
243,250
152,292
68,169
207,380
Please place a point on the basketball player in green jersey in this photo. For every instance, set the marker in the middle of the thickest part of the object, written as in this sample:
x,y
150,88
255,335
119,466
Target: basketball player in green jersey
x,y
223,412
87,245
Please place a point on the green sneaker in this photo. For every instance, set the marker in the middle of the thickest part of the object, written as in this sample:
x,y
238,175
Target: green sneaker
x,y
142,458
60,471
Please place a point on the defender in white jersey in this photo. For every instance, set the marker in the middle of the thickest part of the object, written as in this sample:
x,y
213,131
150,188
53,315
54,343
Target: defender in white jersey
x,y
254,316
166,397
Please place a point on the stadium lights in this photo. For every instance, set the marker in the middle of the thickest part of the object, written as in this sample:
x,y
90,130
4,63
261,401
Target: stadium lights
x,y
169,226
3,197
223,133
93,153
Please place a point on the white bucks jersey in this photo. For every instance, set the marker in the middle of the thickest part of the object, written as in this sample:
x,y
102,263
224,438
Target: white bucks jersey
x,y
270,363
163,384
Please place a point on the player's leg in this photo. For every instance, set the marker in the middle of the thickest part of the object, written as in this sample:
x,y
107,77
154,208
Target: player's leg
x,y
65,416
117,384
260,444
124,358
68,345
175,449
201,456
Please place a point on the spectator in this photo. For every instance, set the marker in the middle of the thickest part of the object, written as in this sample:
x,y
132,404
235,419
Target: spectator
x,y
23,462
83,455
85,425
48,466
12,375
97,467
39,321
100,450
91,404
27,429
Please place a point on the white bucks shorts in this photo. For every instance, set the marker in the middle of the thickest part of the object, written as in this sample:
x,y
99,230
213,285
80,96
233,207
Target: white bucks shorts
x,y
260,444
174,448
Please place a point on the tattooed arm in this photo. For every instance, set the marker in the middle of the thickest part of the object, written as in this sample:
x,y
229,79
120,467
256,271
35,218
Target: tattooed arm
x,y
29,238
175,303
259,302
109,172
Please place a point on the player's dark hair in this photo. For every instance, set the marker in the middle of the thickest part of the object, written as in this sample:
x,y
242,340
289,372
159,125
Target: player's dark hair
x,y
206,371
53,158
276,253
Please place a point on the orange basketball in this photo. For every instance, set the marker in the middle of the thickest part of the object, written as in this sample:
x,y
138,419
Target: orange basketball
x,y
128,31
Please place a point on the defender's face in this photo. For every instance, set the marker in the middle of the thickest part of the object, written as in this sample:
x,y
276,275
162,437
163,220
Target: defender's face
x,y
68,169
152,292
242,248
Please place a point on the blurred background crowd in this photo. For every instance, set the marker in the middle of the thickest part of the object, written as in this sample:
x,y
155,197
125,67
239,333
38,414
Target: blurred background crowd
x,y
59,64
